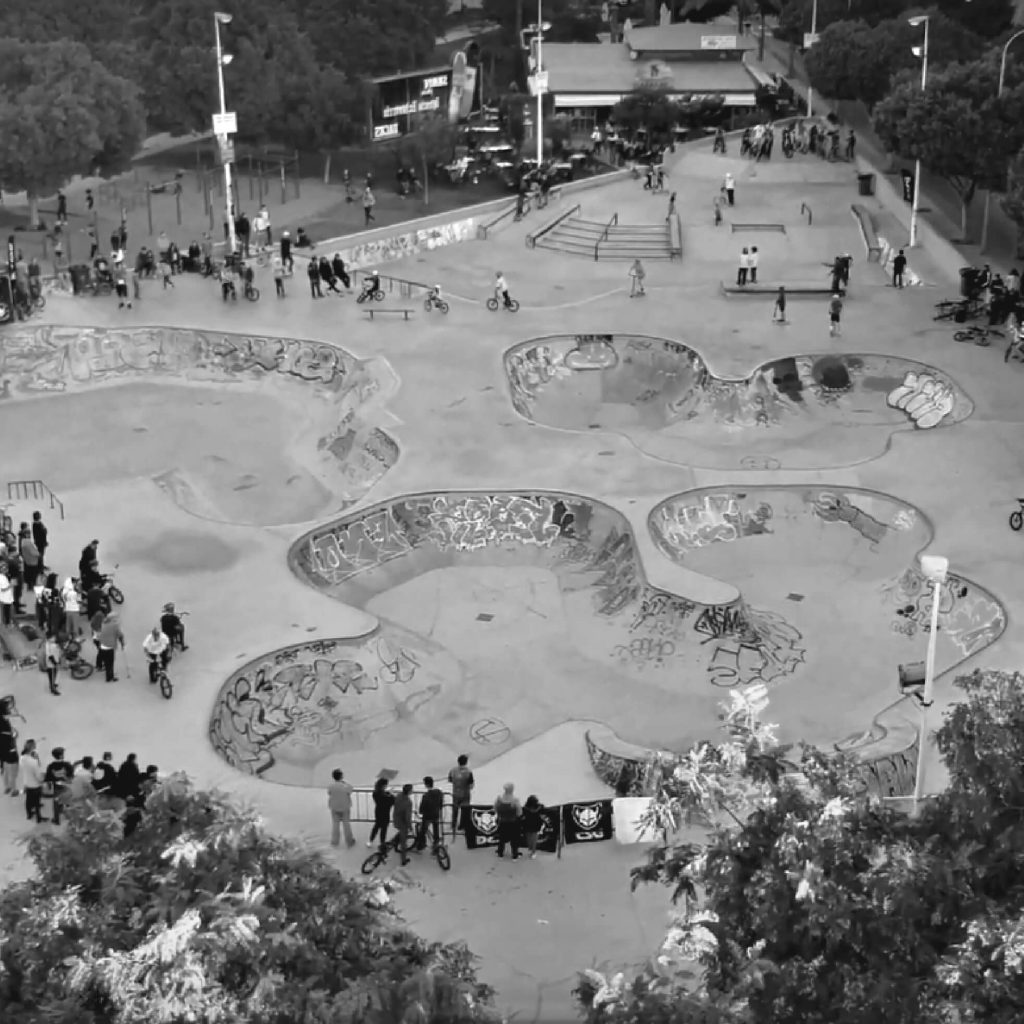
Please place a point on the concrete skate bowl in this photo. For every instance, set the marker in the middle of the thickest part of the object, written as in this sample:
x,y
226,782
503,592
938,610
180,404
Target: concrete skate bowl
x,y
801,412
512,612
841,564
233,428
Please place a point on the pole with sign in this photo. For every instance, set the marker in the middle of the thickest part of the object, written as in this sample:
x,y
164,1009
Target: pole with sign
x,y
12,259
224,126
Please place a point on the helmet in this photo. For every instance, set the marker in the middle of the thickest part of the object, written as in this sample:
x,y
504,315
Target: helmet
x,y
169,608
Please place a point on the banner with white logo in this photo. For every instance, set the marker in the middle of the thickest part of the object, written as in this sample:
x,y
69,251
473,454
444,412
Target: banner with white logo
x,y
482,828
588,822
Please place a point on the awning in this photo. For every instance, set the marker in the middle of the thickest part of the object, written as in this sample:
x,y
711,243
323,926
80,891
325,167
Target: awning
x,y
569,101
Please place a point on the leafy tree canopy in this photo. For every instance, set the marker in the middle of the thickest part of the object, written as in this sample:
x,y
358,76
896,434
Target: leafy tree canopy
x,y
807,901
649,108
957,127
200,915
61,114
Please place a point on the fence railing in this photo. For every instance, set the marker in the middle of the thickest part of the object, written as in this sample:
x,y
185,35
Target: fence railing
x,y
482,229
604,234
362,805
34,490
531,240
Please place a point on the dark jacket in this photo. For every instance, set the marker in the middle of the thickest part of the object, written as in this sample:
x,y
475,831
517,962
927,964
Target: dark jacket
x,y
382,804
129,777
403,811
58,774
431,804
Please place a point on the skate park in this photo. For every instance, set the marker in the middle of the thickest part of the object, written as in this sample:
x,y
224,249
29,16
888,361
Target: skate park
x,y
334,537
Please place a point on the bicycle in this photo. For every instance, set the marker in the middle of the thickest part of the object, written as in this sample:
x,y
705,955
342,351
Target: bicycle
x,y
959,310
1017,518
438,849
377,294
430,302
511,305
251,292
380,855
525,209
979,335
158,676
71,656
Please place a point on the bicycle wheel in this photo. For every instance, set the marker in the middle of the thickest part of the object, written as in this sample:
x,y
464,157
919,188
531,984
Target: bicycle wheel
x,y
492,304
964,335
378,295
1016,521
116,596
441,853
428,304
166,689
513,305
253,294
443,306
372,862
80,669
39,302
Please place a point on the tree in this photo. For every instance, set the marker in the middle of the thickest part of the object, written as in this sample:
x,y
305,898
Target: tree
x,y
200,915
431,142
957,127
512,116
649,108
810,902
61,114
1013,202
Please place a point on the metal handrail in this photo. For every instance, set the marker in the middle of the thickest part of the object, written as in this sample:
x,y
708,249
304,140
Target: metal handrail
x,y
23,490
482,229
531,240
604,234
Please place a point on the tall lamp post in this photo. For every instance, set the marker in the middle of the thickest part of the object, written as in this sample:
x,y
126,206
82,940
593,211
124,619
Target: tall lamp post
x,y
999,95
540,83
922,52
222,128
814,32
935,568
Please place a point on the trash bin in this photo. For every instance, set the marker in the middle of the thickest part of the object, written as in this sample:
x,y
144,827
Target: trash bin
x,y
969,282
79,277
866,184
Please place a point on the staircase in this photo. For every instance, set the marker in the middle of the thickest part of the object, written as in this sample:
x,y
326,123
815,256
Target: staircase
x,y
611,241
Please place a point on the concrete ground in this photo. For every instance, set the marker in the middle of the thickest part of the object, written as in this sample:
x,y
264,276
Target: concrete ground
x,y
450,413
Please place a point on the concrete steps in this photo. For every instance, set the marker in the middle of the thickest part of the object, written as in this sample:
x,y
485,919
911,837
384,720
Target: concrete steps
x,y
579,237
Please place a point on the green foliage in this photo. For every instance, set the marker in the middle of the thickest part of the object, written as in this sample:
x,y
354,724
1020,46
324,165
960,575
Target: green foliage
x,y
202,916
62,114
558,131
1013,202
957,127
802,900
650,108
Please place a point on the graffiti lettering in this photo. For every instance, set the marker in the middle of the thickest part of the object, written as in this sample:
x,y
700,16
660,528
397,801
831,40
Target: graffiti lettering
x,y
644,650
396,247
715,518
837,508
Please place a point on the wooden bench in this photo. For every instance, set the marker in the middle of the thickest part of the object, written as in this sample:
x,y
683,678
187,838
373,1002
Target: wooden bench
x,y
866,223
405,312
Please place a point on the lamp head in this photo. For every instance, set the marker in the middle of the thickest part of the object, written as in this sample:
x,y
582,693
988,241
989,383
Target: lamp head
x,y
935,567
224,19
918,19
917,50
226,58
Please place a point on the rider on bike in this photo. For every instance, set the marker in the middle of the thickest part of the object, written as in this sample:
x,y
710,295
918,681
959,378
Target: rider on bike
x,y
501,289
434,295
371,284
158,651
172,627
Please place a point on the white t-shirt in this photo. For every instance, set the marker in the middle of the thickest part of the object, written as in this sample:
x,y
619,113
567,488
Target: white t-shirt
x,y
31,772
6,590
155,644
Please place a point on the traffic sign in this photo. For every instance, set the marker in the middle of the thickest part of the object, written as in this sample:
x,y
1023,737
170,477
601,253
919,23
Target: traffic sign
x,y
225,124
810,38
539,82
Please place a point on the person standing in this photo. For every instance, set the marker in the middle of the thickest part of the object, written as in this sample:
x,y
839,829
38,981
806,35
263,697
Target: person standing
x,y
313,273
94,243
129,779
717,204
899,266
90,200
752,259
383,801
508,812
8,749
62,207
286,251
81,782
851,145
339,803
6,595
58,775
165,273
741,269
31,773
462,782
835,312
369,202
533,821
779,312
431,806
327,276
40,534
109,638
244,229
402,820
72,608
636,279
278,264
338,266
49,660
671,206
30,559
730,189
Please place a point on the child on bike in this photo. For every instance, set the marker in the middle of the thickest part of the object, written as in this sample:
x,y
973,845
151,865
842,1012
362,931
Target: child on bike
x,y
158,651
372,283
501,289
435,295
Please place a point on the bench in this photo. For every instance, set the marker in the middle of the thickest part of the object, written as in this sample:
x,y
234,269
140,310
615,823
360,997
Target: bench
x,y
758,227
793,289
866,223
405,312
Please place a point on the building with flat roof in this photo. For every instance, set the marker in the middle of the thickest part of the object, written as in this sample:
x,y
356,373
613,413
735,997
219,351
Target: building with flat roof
x,y
690,61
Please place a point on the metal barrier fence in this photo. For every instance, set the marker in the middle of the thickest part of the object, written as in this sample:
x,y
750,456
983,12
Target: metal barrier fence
x,y
362,805
34,490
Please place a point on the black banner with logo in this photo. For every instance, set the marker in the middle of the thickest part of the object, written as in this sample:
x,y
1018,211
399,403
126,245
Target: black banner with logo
x,y
482,828
588,822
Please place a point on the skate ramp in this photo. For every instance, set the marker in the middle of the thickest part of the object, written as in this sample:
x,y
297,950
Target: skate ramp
x,y
255,430
523,610
801,412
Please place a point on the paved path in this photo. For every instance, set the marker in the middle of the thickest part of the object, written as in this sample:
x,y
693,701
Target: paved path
x,y
450,415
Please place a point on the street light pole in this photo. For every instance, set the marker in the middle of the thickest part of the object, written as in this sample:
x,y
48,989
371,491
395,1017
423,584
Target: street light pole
x,y
540,91
814,32
915,207
219,18
999,96
935,569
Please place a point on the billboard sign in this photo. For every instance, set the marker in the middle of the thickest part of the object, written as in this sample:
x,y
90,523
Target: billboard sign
x,y
718,42
401,98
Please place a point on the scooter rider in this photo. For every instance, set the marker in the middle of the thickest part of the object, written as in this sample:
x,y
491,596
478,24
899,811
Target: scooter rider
x,y
158,651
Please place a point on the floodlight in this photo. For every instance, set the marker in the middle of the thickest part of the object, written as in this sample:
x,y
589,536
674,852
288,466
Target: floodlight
x,y
935,567
918,19
224,19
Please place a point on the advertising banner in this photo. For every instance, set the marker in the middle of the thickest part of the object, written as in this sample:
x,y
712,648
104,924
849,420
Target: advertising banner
x,y
588,822
401,98
482,828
